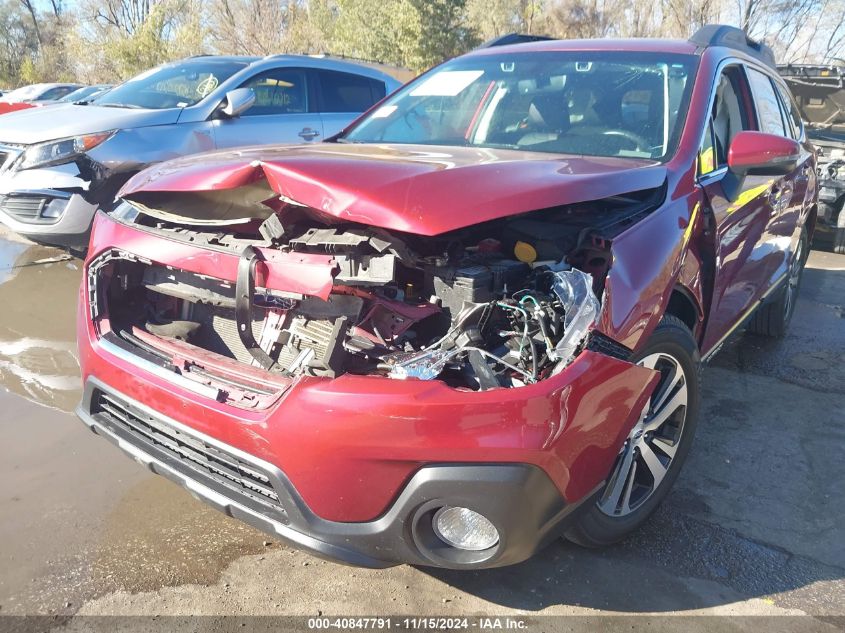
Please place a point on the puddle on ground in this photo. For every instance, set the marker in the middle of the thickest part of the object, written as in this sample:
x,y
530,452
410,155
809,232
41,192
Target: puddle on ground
x,y
149,533
157,536
38,293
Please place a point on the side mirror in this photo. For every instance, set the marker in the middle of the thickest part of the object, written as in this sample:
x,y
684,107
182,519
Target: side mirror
x,y
760,154
237,102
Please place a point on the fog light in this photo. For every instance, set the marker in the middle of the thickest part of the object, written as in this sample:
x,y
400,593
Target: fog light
x,y
464,529
54,209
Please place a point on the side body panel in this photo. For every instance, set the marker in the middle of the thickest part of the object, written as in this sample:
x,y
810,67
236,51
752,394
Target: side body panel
x,y
647,262
267,128
744,261
756,231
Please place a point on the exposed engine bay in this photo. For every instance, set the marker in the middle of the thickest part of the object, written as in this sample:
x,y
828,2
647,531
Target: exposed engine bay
x,y
501,304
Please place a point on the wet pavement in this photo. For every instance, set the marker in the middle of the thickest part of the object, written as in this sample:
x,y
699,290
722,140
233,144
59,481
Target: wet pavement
x,y
754,525
38,287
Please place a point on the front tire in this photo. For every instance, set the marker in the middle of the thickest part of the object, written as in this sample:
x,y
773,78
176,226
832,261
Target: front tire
x,y
657,446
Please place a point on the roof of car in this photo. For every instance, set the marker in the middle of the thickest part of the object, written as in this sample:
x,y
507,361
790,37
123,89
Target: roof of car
x,y
328,61
244,59
709,35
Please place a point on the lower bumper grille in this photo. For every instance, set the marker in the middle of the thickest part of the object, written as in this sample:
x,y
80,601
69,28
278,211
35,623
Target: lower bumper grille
x,y
24,208
212,465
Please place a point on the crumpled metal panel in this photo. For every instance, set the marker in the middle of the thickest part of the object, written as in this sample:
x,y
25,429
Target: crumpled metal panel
x,y
416,189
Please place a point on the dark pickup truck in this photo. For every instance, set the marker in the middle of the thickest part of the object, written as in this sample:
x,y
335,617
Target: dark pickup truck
x,y
820,93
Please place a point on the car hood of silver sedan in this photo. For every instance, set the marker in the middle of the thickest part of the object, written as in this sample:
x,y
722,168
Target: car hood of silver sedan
x,y
36,125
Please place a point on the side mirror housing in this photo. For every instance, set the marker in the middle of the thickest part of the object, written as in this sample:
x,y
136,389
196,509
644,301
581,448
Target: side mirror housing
x,y
237,102
761,154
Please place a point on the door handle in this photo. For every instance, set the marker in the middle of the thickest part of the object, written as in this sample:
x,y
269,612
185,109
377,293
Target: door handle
x,y
309,134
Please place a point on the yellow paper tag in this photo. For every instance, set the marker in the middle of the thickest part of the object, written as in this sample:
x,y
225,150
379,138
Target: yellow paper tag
x,y
707,161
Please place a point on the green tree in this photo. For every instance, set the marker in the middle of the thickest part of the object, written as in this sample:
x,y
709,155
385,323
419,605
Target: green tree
x,y
116,40
415,34
311,26
386,31
18,43
445,30
493,18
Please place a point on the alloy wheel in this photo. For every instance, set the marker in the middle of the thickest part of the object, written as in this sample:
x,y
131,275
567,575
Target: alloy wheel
x,y
648,452
794,279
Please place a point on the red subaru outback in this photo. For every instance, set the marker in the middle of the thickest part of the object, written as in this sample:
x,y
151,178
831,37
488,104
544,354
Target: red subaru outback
x,y
470,323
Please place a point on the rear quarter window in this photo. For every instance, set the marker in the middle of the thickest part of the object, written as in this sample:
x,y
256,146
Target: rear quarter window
x,y
768,108
790,111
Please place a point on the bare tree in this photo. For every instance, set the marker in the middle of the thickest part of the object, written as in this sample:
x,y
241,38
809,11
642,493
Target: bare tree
x,y
127,15
681,18
248,26
30,8
493,18
581,19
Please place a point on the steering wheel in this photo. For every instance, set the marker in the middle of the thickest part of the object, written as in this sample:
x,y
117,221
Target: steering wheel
x,y
640,144
417,118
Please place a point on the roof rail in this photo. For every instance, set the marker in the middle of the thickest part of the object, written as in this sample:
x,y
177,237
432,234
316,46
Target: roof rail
x,y
732,37
514,38
325,55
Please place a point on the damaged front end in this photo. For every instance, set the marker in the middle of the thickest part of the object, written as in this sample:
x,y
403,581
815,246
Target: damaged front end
x,y
501,304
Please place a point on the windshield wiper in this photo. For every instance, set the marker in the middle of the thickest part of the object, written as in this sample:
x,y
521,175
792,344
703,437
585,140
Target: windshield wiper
x,y
121,105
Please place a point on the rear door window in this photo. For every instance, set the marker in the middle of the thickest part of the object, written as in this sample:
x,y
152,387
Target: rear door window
x,y
768,106
347,92
55,93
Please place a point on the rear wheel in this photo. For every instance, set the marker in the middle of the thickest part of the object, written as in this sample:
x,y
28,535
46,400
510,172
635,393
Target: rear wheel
x,y
656,447
839,232
772,318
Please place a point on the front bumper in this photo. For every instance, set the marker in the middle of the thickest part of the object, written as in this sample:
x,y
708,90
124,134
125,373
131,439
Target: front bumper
x,y
519,499
47,205
357,457
20,211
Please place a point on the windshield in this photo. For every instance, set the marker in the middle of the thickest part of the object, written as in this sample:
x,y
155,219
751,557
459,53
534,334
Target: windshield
x,y
81,93
599,104
172,86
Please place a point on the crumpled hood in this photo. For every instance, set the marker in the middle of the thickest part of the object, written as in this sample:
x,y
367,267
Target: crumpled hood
x,y
36,125
419,189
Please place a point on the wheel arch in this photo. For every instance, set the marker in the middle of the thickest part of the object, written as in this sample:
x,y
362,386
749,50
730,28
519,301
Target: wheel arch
x,y
683,305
